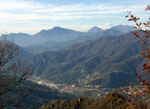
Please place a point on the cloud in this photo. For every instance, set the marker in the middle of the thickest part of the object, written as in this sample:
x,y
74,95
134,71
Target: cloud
x,y
29,13
22,10
108,24
18,5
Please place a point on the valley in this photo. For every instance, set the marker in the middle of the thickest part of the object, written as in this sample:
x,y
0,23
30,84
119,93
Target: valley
x,y
74,54
79,66
79,90
107,61
68,64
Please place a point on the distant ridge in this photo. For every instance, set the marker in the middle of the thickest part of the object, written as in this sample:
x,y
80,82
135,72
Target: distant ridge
x,y
58,38
123,28
95,29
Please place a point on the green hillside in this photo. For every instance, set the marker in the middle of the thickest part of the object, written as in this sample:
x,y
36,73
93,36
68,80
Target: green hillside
x,y
107,58
40,95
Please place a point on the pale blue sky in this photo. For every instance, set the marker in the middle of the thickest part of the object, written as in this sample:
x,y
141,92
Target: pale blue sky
x,y
31,16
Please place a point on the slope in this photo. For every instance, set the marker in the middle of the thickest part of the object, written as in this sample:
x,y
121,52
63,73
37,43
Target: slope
x,y
103,58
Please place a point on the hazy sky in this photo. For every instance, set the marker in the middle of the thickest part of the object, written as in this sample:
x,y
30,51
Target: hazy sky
x,y
31,16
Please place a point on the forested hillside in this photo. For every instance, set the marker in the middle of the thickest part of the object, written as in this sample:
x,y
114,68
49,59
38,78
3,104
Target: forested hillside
x,y
111,58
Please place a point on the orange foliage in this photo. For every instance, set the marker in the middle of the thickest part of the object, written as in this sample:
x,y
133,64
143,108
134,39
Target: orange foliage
x,y
143,40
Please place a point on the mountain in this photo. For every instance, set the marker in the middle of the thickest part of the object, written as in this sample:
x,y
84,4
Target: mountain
x,y
21,39
23,52
48,43
59,38
112,32
123,28
57,34
95,29
45,47
118,28
97,34
104,58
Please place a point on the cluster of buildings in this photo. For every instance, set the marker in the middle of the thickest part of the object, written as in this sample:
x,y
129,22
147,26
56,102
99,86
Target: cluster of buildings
x,y
72,89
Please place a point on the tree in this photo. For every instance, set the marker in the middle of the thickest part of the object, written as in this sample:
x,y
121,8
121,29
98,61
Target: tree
x,y
142,32
13,72
144,40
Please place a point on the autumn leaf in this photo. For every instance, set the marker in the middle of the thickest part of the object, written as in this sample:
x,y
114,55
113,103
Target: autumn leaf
x,y
142,52
147,8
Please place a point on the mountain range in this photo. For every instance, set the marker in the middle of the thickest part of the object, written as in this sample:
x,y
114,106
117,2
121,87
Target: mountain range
x,y
108,57
112,60
58,38
101,59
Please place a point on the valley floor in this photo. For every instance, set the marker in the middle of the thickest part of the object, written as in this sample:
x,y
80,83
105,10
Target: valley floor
x,y
79,90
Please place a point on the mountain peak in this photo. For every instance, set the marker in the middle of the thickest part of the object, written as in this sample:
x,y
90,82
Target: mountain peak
x,y
57,27
123,28
95,29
